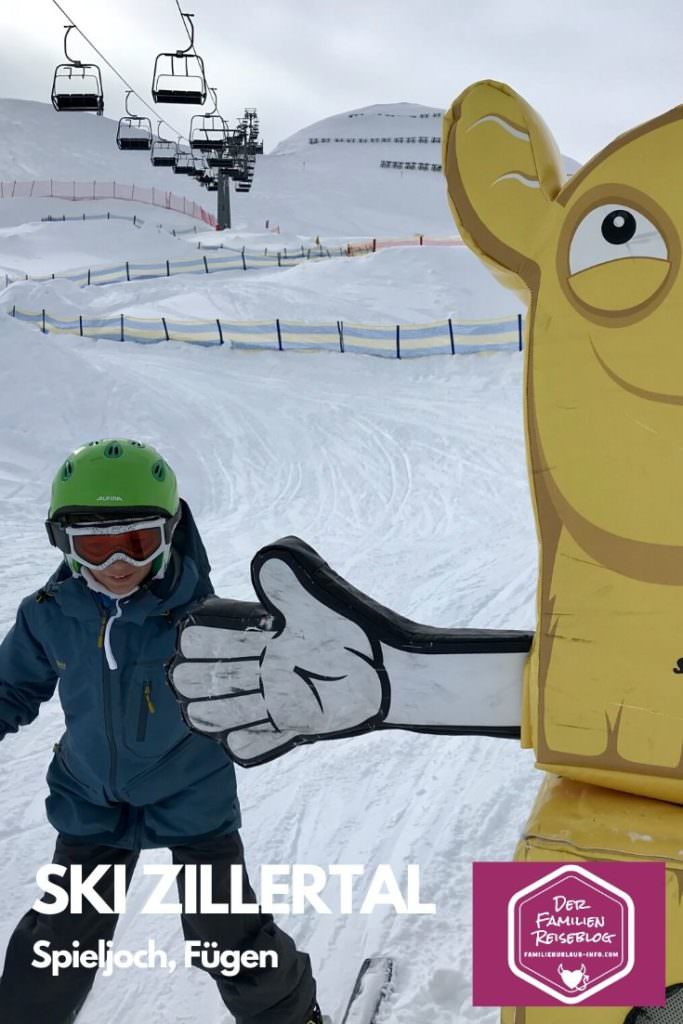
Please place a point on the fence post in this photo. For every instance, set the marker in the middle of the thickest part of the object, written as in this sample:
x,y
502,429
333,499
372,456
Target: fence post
x,y
80,324
340,328
220,329
398,342
122,333
168,269
374,245
421,239
44,331
206,265
244,262
14,311
279,333
163,321
279,262
88,275
127,271
519,330
450,331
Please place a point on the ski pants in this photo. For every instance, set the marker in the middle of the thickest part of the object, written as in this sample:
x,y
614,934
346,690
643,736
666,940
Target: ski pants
x,y
258,995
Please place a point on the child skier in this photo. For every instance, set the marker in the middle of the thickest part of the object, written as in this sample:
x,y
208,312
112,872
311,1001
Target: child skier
x,y
127,773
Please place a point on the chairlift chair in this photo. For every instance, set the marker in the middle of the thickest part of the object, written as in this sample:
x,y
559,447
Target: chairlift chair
x,y
221,160
77,86
184,163
133,132
179,77
208,131
199,168
164,153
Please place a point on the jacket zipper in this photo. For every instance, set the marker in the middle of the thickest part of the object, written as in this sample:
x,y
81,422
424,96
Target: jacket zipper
x,y
106,694
146,709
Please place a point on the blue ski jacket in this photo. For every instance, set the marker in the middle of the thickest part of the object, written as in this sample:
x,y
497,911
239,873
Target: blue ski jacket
x,y
127,771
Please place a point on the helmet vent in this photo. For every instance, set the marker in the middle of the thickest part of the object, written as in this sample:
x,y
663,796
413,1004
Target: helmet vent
x,y
67,470
136,444
113,450
159,470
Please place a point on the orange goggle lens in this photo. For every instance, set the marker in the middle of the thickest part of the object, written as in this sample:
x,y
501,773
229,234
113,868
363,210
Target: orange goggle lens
x,y
140,545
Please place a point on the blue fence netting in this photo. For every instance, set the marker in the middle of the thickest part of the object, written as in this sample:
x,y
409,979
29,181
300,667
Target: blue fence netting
x,y
399,341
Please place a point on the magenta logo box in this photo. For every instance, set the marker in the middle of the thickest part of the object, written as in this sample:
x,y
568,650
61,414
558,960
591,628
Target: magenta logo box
x,y
567,934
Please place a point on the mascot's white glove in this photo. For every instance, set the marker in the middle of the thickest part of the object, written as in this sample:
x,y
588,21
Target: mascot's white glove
x,y
317,659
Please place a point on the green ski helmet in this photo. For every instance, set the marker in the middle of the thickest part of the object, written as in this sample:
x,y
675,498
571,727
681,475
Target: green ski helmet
x,y
110,480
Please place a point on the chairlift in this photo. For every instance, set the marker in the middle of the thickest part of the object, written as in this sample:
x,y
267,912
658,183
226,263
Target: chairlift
x,y
184,163
236,143
221,161
210,180
134,132
164,153
77,86
180,77
199,167
208,131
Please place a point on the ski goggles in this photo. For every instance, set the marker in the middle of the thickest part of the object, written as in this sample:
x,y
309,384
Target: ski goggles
x,y
98,545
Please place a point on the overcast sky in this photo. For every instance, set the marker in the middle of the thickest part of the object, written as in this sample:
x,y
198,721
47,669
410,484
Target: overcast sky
x,y
592,68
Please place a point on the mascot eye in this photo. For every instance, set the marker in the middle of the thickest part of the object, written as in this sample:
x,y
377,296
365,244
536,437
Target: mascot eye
x,y
614,232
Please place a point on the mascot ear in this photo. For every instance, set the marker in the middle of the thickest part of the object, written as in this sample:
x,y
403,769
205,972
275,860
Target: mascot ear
x,y
503,171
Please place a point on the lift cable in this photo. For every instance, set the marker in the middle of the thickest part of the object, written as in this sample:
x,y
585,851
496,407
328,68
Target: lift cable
x,y
118,73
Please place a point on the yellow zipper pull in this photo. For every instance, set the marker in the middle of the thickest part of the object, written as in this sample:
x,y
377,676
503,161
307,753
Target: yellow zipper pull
x,y
148,698
103,627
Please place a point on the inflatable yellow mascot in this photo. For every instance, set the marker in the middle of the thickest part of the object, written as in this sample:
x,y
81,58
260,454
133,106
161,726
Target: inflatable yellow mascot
x,y
598,260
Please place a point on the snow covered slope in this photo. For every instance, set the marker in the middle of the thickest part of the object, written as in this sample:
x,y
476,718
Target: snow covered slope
x,y
409,477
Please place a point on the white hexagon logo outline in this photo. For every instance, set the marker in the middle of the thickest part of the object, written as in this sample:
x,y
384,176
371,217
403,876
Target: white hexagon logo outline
x,y
591,990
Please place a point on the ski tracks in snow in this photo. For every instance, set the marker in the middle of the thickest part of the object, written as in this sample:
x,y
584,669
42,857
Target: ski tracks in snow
x,y
409,478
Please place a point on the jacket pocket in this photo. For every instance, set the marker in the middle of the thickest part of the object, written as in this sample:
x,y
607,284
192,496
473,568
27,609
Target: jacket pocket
x,y
146,709
152,720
